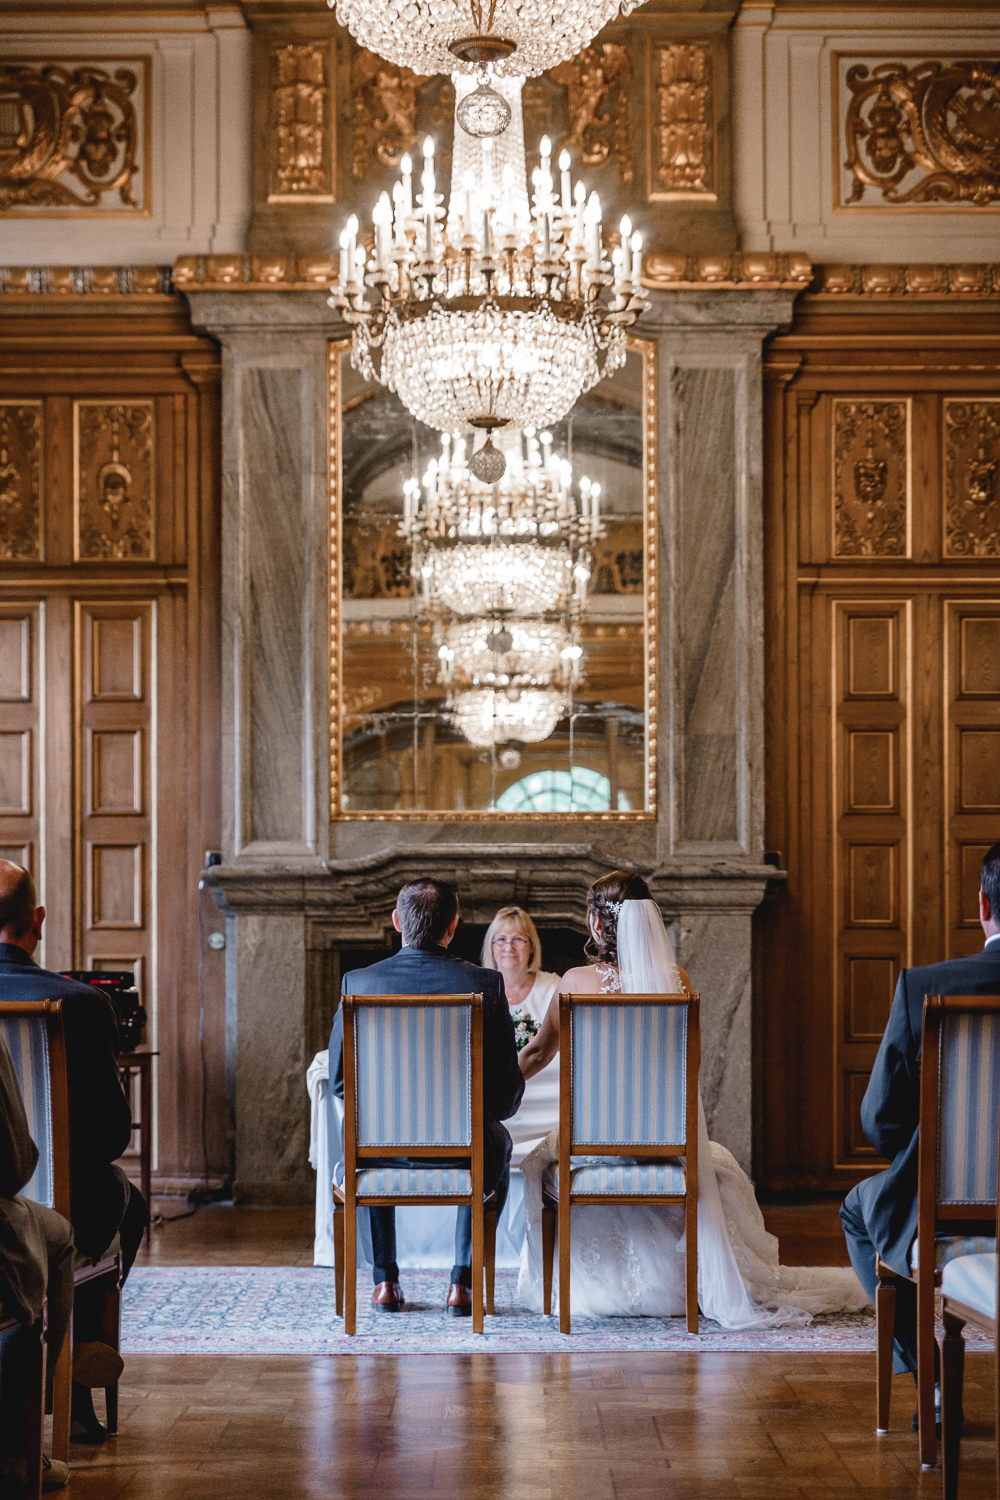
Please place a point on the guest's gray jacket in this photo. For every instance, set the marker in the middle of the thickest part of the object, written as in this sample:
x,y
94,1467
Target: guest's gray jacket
x,y
890,1110
433,971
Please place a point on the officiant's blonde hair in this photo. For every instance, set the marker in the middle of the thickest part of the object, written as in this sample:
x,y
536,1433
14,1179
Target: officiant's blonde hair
x,y
512,918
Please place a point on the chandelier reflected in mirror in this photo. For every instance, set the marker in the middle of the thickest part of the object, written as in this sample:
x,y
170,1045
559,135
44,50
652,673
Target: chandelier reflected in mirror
x,y
499,309
511,36
490,563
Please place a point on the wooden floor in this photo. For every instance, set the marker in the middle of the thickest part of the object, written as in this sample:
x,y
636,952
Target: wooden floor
x,y
513,1427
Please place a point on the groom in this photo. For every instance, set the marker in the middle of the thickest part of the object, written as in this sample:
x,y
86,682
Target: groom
x,y
427,915
881,1212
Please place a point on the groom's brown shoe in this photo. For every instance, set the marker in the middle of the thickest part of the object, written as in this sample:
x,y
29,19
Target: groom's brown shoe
x,y
388,1297
459,1304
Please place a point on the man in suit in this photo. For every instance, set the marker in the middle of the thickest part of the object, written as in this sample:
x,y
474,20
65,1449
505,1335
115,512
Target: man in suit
x,y
100,1117
426,915
880,1214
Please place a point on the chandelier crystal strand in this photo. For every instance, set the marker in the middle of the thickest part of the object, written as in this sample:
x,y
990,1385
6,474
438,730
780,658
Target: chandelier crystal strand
x,y
521,37
500,310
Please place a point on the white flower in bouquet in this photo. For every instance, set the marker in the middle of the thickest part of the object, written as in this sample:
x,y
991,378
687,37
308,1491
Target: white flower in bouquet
x,y
525,1027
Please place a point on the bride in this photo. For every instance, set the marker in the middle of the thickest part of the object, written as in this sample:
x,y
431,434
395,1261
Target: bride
x,y
629,1261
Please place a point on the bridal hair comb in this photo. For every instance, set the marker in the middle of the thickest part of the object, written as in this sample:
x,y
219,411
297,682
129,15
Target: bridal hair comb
x,y
614,906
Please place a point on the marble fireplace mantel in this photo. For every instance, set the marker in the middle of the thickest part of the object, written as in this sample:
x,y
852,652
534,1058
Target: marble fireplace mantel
x,y
294,881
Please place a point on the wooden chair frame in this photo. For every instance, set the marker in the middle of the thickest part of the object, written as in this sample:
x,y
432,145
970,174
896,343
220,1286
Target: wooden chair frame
x,y
955,1315
956,1219
558,1209
109,1268
346,1200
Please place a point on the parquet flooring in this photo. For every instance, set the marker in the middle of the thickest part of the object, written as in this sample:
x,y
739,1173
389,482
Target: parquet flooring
x,y
511,1427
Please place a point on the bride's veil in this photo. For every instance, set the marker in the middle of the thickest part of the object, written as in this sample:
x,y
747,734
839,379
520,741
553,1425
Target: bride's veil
x,y
647,966
646,962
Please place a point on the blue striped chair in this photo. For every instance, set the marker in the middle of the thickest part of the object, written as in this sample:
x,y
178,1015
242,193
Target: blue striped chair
x,y
969,1294
33,1031
628,1113
413,1121
957,1180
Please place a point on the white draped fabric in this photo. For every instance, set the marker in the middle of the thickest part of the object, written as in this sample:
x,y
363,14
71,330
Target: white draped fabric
x,y
539,1108
629,1261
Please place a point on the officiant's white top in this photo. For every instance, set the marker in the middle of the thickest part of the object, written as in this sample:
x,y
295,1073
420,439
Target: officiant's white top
x,y
539,1111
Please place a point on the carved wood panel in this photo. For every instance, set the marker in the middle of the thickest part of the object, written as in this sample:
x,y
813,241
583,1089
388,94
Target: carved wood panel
x,y
882,643
301,146
113,445
21,438
682,108
871,478
972,478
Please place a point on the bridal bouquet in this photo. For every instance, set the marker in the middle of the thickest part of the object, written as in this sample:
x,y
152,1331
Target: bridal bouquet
x,y
525,1027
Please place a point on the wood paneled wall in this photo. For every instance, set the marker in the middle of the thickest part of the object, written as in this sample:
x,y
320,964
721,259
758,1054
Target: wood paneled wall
x,y
882,579
109,667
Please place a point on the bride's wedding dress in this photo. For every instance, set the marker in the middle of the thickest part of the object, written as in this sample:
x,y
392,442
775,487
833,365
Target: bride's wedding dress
x,y
629,1261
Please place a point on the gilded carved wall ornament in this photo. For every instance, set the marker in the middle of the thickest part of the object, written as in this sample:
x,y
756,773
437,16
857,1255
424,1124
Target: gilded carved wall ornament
x,y
939,119
384,111
871,478
65,130
20,480
301,154
681,142
114,480
598,106
972,478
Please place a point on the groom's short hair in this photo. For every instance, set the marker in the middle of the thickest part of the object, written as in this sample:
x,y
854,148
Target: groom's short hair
x,y
990,880
426,909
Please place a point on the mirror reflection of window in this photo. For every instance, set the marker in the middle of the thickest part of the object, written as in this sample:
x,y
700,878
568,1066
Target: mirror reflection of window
x,y
493,636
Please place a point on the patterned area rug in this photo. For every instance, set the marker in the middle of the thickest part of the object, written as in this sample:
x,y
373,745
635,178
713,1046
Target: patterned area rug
x,y
291,1310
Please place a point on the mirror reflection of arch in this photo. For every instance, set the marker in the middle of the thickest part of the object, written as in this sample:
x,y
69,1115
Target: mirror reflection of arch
x,y
432,710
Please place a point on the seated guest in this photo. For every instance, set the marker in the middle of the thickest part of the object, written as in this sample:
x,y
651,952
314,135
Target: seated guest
x,y
511,945
36,1262
427,916
100,1116
880,1214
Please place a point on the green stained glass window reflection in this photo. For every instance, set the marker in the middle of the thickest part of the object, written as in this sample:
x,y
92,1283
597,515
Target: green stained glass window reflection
x,y
576,790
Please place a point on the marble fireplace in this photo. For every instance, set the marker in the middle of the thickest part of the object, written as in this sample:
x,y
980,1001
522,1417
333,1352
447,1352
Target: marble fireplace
x,y
298,886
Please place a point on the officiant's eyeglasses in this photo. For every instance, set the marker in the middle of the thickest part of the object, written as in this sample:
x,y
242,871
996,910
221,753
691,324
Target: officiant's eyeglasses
x,y
511,942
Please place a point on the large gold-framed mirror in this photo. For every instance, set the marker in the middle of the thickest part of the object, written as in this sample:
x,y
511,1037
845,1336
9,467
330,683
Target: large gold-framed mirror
x,y
493,649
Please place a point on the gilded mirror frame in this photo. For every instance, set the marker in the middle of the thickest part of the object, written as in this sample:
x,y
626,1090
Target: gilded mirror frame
x,y
335,350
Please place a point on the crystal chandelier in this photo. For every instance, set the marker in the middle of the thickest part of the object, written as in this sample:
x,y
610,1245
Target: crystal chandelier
x,y
535,653
518,548
512,36
486,718
498,310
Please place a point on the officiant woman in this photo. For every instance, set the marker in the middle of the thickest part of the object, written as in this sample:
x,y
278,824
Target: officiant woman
x,y
511,945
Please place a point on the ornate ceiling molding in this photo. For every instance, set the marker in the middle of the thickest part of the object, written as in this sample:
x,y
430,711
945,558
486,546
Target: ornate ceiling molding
x,y
752,270
93,282
956,282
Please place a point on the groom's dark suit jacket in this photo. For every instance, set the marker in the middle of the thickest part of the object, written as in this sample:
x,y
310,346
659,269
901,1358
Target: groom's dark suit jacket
x,y
433,971
890,1110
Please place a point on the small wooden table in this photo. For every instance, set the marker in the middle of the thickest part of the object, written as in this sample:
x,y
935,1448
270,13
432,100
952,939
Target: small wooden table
x,y
142,1063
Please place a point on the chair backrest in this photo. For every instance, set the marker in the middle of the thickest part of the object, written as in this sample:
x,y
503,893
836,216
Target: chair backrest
x,y
959,1114
33,1031
630,1073
413,1074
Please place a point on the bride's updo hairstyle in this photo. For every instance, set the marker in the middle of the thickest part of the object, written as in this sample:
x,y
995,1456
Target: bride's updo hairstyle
x,y
604,900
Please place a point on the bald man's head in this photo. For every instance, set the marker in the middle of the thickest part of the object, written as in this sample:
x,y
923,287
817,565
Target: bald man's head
x,y
18,902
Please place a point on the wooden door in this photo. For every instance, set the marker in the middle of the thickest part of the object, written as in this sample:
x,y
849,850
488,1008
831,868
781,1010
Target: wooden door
x,y
882,541
109,599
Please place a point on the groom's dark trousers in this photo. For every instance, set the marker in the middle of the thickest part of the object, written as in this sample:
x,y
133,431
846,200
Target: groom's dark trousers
x,y
433,971
880,1214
